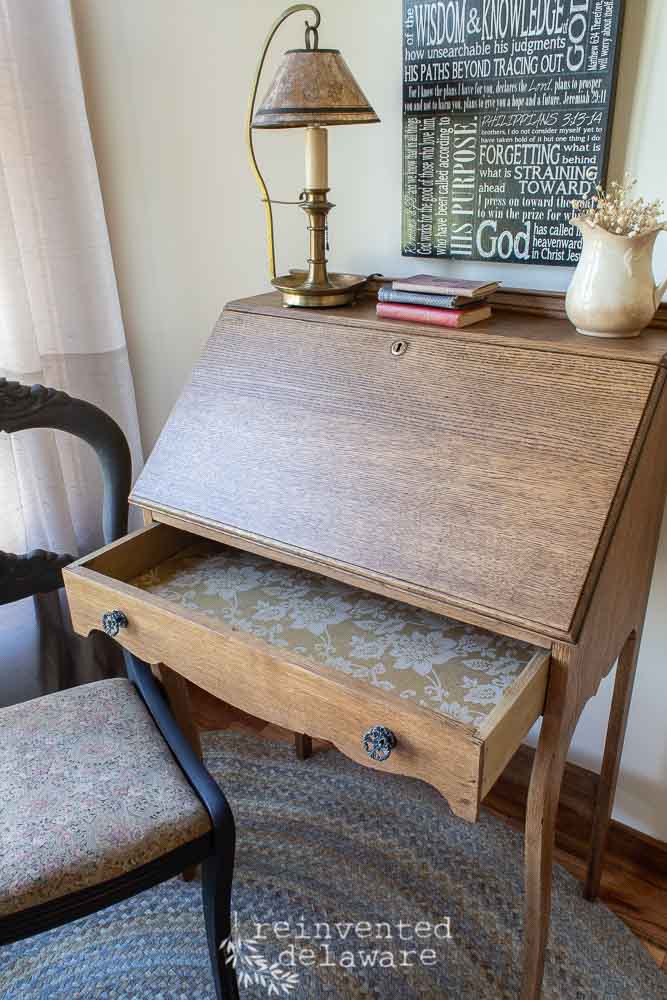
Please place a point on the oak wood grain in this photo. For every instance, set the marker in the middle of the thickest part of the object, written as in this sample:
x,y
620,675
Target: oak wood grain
x,y
659,955
521,319
461,760
511,475
179,698
178,694
398,590
634,884
626,669
512,718
615,619
473,471
616,611
524,302
303,745
634,879
619,601
288,689
560,718
637,450
137,551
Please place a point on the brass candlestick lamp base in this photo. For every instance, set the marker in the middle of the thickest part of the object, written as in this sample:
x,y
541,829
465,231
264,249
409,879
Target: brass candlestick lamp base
x,y
342,288
316,288
312,89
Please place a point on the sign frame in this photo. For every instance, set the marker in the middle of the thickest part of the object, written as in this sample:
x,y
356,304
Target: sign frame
x,y
513,244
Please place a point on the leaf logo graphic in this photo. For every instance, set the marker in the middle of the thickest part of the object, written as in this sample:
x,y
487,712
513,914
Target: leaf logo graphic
x,y
253,968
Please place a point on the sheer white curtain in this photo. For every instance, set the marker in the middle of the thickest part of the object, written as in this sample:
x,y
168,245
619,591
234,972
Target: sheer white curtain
x,y
60,319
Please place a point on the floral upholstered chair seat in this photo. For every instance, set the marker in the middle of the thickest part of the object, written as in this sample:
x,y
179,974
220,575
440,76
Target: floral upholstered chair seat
x,y
455,669
89,790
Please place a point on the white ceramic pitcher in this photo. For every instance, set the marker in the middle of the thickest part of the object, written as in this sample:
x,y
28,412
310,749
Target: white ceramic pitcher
x,y
613,291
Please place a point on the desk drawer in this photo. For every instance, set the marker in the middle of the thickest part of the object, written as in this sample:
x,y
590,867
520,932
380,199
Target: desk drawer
x,y
317,656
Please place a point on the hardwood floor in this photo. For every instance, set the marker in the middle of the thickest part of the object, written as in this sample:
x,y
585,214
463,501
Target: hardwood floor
x,y
634,883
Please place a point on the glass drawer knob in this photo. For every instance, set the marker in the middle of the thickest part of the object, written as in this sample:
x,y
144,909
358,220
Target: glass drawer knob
x,y
113,622
378,743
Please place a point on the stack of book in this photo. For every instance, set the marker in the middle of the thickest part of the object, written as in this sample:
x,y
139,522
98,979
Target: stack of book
x,y
447,302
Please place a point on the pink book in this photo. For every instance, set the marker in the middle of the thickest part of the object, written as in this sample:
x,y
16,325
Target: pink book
x,y
452,318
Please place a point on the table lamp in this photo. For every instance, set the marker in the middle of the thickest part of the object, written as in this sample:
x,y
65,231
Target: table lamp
x,y
312,88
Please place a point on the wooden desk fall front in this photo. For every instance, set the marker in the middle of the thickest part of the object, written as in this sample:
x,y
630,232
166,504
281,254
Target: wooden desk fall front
x,y
509,478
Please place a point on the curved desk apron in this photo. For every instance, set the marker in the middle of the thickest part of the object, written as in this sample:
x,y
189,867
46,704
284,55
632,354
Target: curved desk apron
x,y
499,490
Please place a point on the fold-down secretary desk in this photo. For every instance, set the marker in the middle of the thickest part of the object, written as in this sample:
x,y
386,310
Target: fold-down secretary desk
x,y
411,543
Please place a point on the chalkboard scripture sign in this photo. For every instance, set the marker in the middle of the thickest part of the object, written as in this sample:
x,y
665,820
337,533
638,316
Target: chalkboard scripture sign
x,y
507,109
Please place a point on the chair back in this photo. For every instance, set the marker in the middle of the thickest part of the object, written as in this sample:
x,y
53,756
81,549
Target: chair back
x,y
24,407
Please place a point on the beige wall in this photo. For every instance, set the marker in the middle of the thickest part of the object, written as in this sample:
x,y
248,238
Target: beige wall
x,y
166,84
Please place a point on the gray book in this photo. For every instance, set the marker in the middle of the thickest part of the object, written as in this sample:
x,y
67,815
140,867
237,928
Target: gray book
x,y
386,294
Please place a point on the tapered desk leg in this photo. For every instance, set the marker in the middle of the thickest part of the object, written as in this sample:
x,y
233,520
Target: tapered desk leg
x,y
178,695
303,745
626,670
557,728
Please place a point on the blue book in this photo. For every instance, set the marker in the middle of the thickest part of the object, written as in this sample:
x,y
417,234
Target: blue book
x,y
386,294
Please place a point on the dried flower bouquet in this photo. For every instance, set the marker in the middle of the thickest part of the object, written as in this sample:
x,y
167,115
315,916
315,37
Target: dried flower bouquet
x,y
617,212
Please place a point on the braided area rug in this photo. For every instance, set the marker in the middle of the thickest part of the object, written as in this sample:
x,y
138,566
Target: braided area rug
x,y
327,850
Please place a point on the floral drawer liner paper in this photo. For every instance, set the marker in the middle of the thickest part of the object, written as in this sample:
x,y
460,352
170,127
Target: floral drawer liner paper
x,y
442,664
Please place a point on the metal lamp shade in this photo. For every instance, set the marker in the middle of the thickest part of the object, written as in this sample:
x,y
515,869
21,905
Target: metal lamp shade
x,y
313,87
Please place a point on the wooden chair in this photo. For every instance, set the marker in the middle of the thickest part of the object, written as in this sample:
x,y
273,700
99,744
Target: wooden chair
x,y
25,407
128,802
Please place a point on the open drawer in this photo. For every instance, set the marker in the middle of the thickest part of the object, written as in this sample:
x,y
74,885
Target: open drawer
x,y
319,657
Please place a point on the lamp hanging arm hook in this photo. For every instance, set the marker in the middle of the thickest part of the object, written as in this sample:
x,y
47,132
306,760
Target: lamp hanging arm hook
x,y
311,35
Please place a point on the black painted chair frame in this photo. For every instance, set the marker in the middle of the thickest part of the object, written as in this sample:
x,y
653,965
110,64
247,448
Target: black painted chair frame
x,y
215,852
24,407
